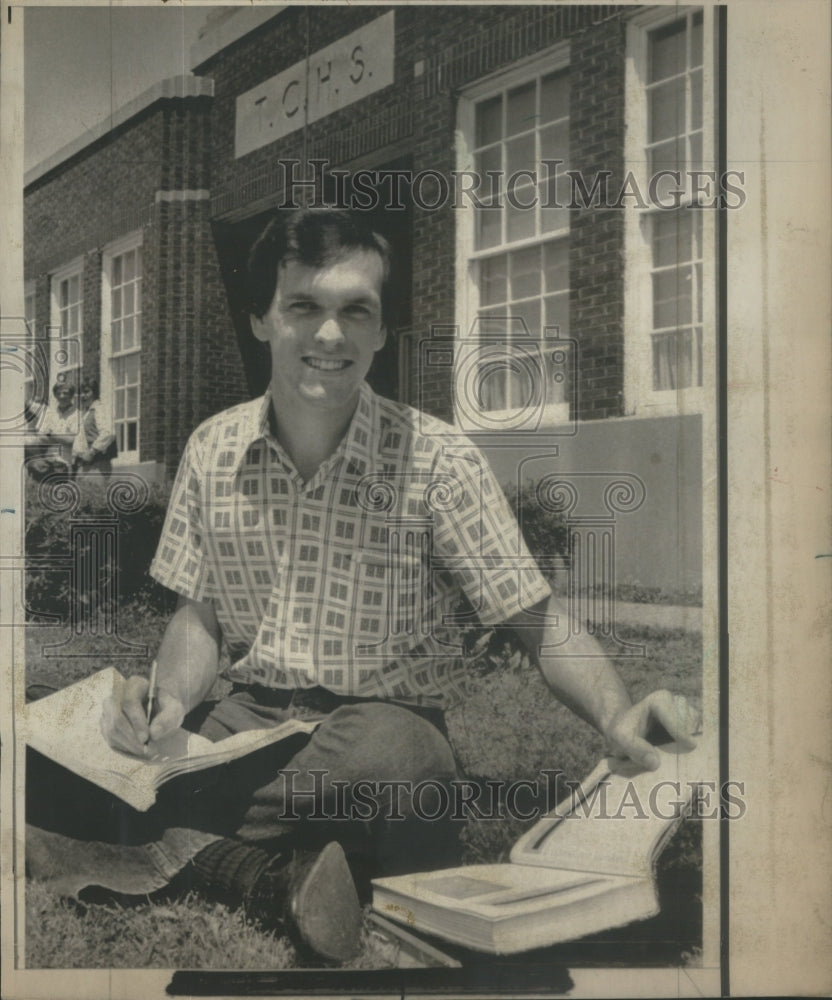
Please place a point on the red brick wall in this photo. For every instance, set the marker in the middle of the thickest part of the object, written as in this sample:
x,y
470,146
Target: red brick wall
x,y
596,262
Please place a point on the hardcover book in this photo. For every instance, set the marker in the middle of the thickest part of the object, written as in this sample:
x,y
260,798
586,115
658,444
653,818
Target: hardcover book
x,y
66,727
585,867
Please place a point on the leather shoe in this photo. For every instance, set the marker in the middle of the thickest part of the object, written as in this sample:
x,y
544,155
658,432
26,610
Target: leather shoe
x,y
314,897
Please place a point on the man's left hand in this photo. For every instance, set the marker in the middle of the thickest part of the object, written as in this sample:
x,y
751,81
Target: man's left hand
x,y
626,734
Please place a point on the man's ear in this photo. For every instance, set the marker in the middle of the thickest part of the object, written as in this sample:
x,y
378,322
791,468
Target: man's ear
x,y
381,337
258,328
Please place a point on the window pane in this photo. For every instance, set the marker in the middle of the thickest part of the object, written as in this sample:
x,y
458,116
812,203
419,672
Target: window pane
x,y
520,221
667,51
557,313
74,320
119,398
672,236
493,323
524,268
667,110
695,162
698,272
556,266
131,368
555,197
115,303
520,155
129,265
75,288
529,312
667,155
138,253
127,300
696,40
554,96
489,127
132,402
115,333
137,320
672,298
696,99
676,360
489,226
493,280
520,109
490,159
554,144
127,342
491,383
132,437
116,278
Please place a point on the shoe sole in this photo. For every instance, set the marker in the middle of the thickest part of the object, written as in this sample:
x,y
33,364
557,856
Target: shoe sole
x,y
325,908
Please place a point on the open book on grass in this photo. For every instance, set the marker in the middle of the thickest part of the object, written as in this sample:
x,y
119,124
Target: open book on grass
x,y
66,727
585,867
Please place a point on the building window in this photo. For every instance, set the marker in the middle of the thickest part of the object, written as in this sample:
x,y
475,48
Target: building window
x,y
122,317
514,247
66,321
670,240
676,274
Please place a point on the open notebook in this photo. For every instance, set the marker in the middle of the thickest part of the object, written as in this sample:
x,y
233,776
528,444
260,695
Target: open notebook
x,y
66,727
586,866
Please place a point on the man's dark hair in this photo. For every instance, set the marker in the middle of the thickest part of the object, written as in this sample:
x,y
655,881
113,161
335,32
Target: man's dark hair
x,y
63,384
314,237
92,385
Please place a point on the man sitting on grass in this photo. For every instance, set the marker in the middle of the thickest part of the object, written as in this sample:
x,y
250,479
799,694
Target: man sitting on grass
x,y
325,534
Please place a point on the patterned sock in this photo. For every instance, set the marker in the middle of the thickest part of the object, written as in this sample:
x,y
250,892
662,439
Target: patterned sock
x,y
230,868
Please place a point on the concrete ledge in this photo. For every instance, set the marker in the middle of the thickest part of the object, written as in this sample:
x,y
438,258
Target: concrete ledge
x,y
151,472
666,616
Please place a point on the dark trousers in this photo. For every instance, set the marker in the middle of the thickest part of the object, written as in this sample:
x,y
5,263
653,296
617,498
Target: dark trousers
x,y
369,776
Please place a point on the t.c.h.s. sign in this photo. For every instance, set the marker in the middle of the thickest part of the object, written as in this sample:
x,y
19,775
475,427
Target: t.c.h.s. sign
x,y
355,66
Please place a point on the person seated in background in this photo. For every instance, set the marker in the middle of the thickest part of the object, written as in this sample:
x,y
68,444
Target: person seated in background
x,y
57,431
94,445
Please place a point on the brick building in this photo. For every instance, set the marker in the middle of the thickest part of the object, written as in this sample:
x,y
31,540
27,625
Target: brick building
x,y
564,320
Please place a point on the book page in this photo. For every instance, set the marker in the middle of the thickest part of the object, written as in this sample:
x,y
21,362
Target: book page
x,y
619,816
66,727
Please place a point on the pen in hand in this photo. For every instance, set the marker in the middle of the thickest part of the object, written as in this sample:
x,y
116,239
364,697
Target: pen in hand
x,y
151,692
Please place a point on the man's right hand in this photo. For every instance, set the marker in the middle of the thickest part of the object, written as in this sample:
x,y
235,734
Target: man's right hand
x,y
124,718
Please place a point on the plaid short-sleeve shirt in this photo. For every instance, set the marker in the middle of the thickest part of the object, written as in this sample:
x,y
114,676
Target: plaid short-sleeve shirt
x,y
348,581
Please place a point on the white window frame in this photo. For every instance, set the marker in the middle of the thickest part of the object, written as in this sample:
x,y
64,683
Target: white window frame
x,y
467,256
108,387
70,367
640,398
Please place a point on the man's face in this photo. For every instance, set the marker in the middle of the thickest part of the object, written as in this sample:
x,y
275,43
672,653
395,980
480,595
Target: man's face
x,y
64,395
323,328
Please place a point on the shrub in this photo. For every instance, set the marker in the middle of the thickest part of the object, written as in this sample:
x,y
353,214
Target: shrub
x,y
546,534
51,510
545,531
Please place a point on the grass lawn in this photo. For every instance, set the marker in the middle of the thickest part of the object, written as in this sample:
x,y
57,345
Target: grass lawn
x,y
509,727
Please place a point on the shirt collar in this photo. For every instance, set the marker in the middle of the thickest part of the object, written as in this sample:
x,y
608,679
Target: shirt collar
x,y
358,444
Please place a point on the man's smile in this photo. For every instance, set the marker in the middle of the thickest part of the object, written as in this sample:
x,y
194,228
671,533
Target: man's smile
x,y
328,364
